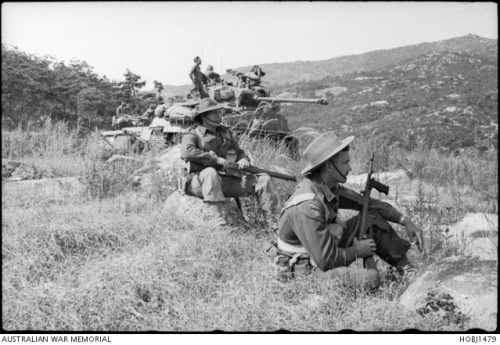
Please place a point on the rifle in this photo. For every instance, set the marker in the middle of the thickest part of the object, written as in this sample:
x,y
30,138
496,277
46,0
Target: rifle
x,y
371,183
192,167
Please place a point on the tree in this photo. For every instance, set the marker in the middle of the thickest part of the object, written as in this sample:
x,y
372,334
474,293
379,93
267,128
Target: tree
x,y
131,86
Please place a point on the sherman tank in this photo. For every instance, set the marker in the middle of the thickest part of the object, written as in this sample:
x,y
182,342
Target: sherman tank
x,y
251,110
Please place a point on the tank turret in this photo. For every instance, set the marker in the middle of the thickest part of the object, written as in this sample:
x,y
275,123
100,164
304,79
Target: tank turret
x,y
252,110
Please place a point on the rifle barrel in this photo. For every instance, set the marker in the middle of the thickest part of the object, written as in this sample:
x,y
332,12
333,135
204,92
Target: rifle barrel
x,y
322,101
256,170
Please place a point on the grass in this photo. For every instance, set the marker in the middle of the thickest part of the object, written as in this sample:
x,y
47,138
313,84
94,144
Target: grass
x,y
111,260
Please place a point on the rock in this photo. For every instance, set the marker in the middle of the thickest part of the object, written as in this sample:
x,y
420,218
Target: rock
x,y
477,234
170,159
453,96
52,187
472,223
457,285
17,171
394,177
403,191
195,211
379,104
118,157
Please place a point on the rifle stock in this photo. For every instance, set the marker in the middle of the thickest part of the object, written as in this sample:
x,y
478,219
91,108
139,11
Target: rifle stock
x,y
194,167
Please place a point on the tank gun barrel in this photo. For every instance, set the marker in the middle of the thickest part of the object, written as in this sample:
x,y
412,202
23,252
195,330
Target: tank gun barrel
x,y
322,101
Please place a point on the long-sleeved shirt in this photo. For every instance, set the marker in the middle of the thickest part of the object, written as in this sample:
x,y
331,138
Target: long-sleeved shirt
x,y
219,143
307,223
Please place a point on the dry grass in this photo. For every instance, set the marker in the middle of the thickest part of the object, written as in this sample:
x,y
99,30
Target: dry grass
x,y
111,260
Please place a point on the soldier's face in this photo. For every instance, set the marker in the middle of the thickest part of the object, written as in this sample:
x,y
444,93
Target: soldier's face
x,y
214,118
343,163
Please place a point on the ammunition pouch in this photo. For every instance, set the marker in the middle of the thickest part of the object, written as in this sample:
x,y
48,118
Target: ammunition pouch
x,y
288,266
292,261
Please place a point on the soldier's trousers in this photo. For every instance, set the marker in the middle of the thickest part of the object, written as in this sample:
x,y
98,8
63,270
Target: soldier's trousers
x,y
390,248
198,87
214,187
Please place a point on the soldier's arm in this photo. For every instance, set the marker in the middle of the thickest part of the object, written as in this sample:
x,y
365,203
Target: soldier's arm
x,y
239,151
349,199
191,73
311,229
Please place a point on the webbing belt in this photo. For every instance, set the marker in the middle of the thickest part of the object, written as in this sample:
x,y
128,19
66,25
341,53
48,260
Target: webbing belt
x,y
291,248
295,251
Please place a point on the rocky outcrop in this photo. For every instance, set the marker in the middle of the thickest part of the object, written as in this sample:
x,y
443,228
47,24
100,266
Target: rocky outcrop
x,y
403,191
476,234
459,289
51,187
17,171
195,211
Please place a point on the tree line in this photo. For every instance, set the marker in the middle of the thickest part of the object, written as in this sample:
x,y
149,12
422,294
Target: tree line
x,y
35,88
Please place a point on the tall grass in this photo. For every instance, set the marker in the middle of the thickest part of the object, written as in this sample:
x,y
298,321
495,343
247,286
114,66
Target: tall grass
x,y
111,260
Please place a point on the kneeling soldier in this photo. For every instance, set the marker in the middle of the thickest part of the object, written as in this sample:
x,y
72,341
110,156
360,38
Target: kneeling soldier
x,y
208,146
312,237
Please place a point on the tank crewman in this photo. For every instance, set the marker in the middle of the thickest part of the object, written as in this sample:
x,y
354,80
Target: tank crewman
x,y
254,80
210,145
254,76
119,112
312,237
149,113
213,78
196,78
160,110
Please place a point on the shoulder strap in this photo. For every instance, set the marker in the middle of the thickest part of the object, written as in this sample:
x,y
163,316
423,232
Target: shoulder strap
x,y
201,142
297,199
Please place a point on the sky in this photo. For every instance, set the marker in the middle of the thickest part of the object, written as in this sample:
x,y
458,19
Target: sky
x,y
158,40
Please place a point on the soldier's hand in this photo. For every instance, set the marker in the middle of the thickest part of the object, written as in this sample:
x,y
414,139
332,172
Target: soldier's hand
x,y
364,248
414,233
243,163
221,161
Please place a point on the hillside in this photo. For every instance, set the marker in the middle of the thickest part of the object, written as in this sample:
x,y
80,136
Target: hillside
x,y
443,94
445,99
290,72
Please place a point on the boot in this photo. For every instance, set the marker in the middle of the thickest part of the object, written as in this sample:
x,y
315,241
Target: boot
x,y
216,212
404,268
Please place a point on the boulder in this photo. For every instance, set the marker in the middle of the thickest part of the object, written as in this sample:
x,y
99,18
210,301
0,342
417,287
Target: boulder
x,y
123,158
167,165
379,104
460,289
452,96
195,211
403,191
17,171
476,234
61,187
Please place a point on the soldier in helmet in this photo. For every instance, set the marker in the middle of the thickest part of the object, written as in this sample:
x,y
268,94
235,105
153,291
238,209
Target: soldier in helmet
x,y
196,77
209,146
213,78
312,235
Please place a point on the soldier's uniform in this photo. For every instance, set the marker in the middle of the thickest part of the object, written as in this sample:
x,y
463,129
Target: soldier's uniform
x,y
310,225
196,77
313,238
160,110
201,146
